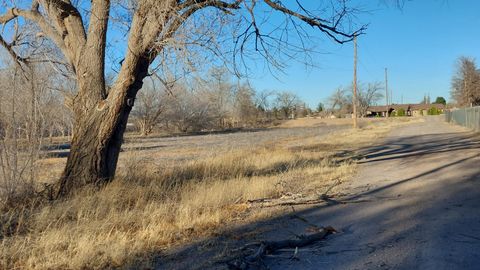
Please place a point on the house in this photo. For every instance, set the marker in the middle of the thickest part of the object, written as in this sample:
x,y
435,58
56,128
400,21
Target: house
x,y
422,109
408,109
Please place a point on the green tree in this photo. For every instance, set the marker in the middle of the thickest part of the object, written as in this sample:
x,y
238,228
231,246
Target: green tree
x,y
320,107
440,100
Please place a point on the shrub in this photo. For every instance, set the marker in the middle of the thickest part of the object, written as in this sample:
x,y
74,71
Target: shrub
x,y
433,111
401,112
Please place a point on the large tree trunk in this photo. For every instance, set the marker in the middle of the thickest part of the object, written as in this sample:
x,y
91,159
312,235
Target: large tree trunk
x,y
99,129
94,151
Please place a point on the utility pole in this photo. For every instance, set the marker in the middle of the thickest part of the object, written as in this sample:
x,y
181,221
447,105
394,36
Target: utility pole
x,y
391,96
386,91
354,116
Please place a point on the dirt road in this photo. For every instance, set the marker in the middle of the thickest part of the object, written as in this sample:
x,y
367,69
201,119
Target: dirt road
x,y
414,205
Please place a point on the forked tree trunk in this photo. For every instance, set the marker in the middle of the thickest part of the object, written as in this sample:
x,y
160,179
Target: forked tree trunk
x,y
98,134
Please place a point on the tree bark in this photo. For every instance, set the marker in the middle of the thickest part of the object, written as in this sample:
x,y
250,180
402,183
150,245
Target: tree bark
x,y
98,132
101,117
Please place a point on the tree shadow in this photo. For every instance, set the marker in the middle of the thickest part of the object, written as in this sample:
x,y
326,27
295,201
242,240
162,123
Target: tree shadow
x,y
401,148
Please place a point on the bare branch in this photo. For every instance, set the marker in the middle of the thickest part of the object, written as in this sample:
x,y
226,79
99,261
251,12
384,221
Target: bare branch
x,y
16,58
35,16
69,24
331,30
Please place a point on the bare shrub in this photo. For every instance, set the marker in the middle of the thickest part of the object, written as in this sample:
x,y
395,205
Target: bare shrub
x,y
19,138
31,110
150,107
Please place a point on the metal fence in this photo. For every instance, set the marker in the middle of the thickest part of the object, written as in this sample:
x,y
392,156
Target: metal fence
x,y
467,117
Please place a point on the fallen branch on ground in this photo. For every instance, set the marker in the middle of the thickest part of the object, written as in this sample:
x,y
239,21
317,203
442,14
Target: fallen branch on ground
x,y
299,199
292,199
269,247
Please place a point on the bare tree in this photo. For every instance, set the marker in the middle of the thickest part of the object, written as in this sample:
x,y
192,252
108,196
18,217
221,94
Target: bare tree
x,y
79,31
245,111
466,83
263,102
263,99
341,99
287,102
368,96
220,90
150,106
191,110
338,99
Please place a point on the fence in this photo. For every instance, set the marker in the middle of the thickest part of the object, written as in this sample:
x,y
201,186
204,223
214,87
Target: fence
x,y
467,117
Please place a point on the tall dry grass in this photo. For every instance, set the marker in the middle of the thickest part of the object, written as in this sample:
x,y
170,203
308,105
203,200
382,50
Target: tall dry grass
x,y
147,209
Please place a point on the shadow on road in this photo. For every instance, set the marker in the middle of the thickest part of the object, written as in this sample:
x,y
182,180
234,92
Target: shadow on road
x,y
424,144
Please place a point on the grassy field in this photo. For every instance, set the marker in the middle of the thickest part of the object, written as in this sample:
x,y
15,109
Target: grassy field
x,y
172,190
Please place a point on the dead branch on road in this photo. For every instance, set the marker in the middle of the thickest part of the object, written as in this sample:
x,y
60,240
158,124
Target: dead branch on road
x,y
293,199
269,247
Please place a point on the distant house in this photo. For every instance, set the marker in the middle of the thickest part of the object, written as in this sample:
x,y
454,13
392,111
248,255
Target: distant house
x,y
409,109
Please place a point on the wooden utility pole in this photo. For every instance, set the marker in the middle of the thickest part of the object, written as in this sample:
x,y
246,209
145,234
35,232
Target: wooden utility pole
x,y
386,91
354,116
391,96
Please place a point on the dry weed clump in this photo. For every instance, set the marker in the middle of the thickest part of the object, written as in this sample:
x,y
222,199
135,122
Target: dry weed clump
x,y
146,210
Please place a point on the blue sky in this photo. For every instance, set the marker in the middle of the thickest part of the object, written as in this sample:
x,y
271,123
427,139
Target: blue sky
x,y
419,45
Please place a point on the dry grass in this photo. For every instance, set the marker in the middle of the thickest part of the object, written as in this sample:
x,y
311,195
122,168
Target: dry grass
x,y
148,209
318,122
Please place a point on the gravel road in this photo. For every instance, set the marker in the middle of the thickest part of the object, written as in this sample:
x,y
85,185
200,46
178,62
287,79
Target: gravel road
x,y
414,205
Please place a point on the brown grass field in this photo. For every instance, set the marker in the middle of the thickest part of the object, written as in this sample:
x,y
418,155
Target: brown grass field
x,y
174,189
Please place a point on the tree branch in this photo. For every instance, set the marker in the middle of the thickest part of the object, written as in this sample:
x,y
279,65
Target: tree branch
x,y
69,25
331,30
97,31
16,58
189,8
33,16
94,51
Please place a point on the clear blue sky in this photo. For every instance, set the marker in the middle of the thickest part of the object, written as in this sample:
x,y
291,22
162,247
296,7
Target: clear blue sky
x,y
419,45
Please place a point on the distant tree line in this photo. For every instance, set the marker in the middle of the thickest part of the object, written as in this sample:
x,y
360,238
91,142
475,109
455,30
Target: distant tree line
x,y
39,106
216,102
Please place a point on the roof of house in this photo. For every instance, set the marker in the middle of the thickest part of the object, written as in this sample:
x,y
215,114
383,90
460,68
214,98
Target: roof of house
x,y
377,108
406,107
427,106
